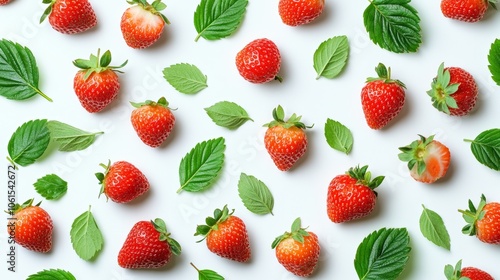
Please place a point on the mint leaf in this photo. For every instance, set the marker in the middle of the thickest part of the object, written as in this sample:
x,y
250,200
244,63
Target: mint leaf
x,y
486,148
338,136
28,142
18,72
52,274
86,236
255,195
494,60
217,19
185,78
433,228
201,166
51,186
331,57
70,138
394,25
227,114
383,254
207,274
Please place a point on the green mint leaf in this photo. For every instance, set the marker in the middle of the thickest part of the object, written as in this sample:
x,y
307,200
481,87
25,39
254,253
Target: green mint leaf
x,y
217,19
255,195
207,274
29,142
227,114
338,136
486,148
18,72
383,254
394,25
52,274
51,186
494,60
433,228
86,236
331,57
201,166
185,78
70,138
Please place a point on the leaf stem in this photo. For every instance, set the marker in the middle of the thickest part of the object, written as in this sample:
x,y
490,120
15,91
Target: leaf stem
x,y
194,266
197,37
468,140
44,95
12,162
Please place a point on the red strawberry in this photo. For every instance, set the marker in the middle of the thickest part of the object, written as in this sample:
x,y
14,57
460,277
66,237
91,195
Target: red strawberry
x,y
4,2
465,10
97,84
351,195
148,245
483,221
226,235
259,61
285,141
143,24
298,250
31,227
472,273
298,12
70,16
453,91
122,181
382,98
153,121
428,159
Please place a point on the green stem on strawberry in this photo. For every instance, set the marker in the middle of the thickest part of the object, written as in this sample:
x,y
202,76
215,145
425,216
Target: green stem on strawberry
x,y
364,177
279,119
472,215
297,233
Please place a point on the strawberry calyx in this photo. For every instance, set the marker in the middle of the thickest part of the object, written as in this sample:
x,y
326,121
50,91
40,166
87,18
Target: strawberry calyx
x,y
279,120
364,177
384,75
48,10
454,273
19,207
155,8
493,3
161,102
161,227
472,215
441,91
212,223
415,153
101,176
297,233
97,64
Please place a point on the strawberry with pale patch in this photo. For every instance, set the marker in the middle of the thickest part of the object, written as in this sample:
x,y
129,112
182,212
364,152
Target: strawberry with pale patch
x,y
70,16
299,12
466,10
152,121
483,221
428,159
470,273
259,61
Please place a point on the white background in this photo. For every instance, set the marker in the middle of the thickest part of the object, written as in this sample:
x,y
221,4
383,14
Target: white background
x,y
299,192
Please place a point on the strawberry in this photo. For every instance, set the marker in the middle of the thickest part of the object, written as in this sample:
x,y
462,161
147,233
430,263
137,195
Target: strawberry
x,y
4,2
70,16
285,141
96,85
382,98
298,12
297,250
31,227
148,245
483,221
143,24
465,10
226,235
472,273
453,91
259,61
122,182
428,159
351,195
153,121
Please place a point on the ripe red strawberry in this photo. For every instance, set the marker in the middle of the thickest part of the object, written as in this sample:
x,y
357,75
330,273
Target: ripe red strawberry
x,y
472,273
298,12
122,182
226,235
70,16
285,141
4,2
297,250
465,10
259,61
483,221
428,159
153,121
143,24
453,91
351,195
31,227
96,85
148,245
382,98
